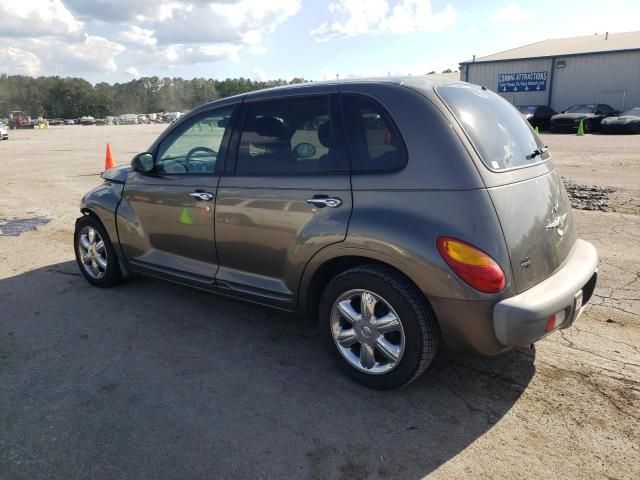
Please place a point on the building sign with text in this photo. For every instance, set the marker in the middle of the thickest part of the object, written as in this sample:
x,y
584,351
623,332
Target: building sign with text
x,y
522,82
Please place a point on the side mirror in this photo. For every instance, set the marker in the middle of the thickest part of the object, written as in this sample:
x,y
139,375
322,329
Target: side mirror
x,y
142,163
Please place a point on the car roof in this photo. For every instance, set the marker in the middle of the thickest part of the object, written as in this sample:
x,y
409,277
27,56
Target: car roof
x,y
422,82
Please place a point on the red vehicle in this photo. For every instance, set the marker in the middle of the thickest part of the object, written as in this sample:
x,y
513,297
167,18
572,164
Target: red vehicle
x,y
18,119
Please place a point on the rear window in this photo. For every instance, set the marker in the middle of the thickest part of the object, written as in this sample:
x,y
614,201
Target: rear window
x,y
635,112
502,137
582,109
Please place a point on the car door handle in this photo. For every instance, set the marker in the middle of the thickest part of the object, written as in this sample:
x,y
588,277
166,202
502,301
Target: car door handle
x,y
321,202
204,196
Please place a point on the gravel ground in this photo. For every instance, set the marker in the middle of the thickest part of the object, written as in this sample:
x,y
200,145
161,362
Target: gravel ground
x,y
152,380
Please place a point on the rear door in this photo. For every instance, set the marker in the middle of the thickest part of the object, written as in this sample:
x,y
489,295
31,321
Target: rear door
x,y
287,197
526,190
165,219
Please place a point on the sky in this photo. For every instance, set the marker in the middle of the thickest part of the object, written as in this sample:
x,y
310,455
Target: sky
x,y
118,40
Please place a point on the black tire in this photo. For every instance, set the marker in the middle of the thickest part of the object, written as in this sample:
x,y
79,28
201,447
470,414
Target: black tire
x,y
422,335
112,275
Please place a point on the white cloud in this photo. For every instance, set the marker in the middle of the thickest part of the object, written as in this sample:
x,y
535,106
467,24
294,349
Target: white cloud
x,y
37,18
132,71
198,54
93,54
57,36
18,61
118,10
512,13
416,15
350,18
259,75
138,37
52,56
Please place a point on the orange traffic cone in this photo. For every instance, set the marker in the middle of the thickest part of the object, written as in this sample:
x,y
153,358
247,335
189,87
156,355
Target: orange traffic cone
x,y
108,162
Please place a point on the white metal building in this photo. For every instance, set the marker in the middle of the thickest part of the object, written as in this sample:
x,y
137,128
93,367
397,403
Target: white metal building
x,y
565,71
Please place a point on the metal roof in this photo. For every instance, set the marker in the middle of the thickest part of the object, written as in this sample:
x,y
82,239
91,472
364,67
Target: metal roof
x,y
554,47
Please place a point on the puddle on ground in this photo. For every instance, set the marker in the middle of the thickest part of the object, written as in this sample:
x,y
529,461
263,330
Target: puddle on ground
x,y
17,226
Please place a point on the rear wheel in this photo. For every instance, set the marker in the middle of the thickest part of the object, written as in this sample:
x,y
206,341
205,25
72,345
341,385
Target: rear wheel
x,y
377,327
95,254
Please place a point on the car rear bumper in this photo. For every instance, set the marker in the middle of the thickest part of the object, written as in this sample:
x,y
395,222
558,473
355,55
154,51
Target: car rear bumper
x,y
523,319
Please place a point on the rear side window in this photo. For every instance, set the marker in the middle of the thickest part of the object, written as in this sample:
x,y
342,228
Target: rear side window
x,y
290,136
373,140
502,137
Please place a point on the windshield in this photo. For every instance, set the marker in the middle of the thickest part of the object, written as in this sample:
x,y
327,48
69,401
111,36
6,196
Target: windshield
x,y
633,112
582,109
503,138
527,109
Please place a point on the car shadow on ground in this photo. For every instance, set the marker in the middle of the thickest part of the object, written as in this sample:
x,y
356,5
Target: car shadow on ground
x,y
154,380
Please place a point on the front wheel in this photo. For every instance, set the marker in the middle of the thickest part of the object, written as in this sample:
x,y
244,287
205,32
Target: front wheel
x,y
378,327
95,254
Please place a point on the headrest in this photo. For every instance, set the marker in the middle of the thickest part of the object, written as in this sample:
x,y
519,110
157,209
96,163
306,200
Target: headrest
x,y
269,133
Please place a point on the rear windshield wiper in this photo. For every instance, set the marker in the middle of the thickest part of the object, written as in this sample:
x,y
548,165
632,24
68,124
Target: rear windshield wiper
x,y
536,152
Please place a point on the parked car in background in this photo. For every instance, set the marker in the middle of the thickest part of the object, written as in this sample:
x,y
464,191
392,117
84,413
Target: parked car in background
x,y
590,114
627,122
537,115
397,213
4,132
69,121
87,120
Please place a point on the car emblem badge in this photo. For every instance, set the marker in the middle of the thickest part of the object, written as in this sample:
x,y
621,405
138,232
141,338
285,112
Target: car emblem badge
x,y
525,263
558,224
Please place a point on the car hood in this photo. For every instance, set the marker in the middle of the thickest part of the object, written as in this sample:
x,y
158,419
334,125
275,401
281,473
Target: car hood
x,y
117,174
622,120
573,116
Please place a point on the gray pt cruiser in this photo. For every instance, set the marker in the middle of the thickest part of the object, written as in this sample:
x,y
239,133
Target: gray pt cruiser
x,y
398,213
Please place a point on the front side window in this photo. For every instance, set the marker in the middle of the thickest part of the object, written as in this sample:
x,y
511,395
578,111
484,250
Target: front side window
x,y
193,147
293,135
374,141
500,134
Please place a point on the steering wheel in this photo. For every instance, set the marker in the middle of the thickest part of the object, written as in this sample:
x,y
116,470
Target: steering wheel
x,y
194,164
195,150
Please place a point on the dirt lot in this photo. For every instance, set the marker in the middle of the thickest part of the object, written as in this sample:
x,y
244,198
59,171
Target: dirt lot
x,y
151,380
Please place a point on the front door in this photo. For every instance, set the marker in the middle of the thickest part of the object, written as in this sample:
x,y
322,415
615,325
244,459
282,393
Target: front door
x,y
288,197
165,219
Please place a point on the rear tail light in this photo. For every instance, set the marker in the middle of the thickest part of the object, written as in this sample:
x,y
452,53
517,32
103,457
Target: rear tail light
x,y
471,264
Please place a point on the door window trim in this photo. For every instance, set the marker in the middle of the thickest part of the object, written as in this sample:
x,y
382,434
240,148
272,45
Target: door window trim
x,y
223,153
335,114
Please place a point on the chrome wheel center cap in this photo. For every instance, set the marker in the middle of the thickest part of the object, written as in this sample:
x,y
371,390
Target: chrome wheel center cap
x,y
368,334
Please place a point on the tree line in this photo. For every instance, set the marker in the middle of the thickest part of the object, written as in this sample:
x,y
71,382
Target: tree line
x,y
57,97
